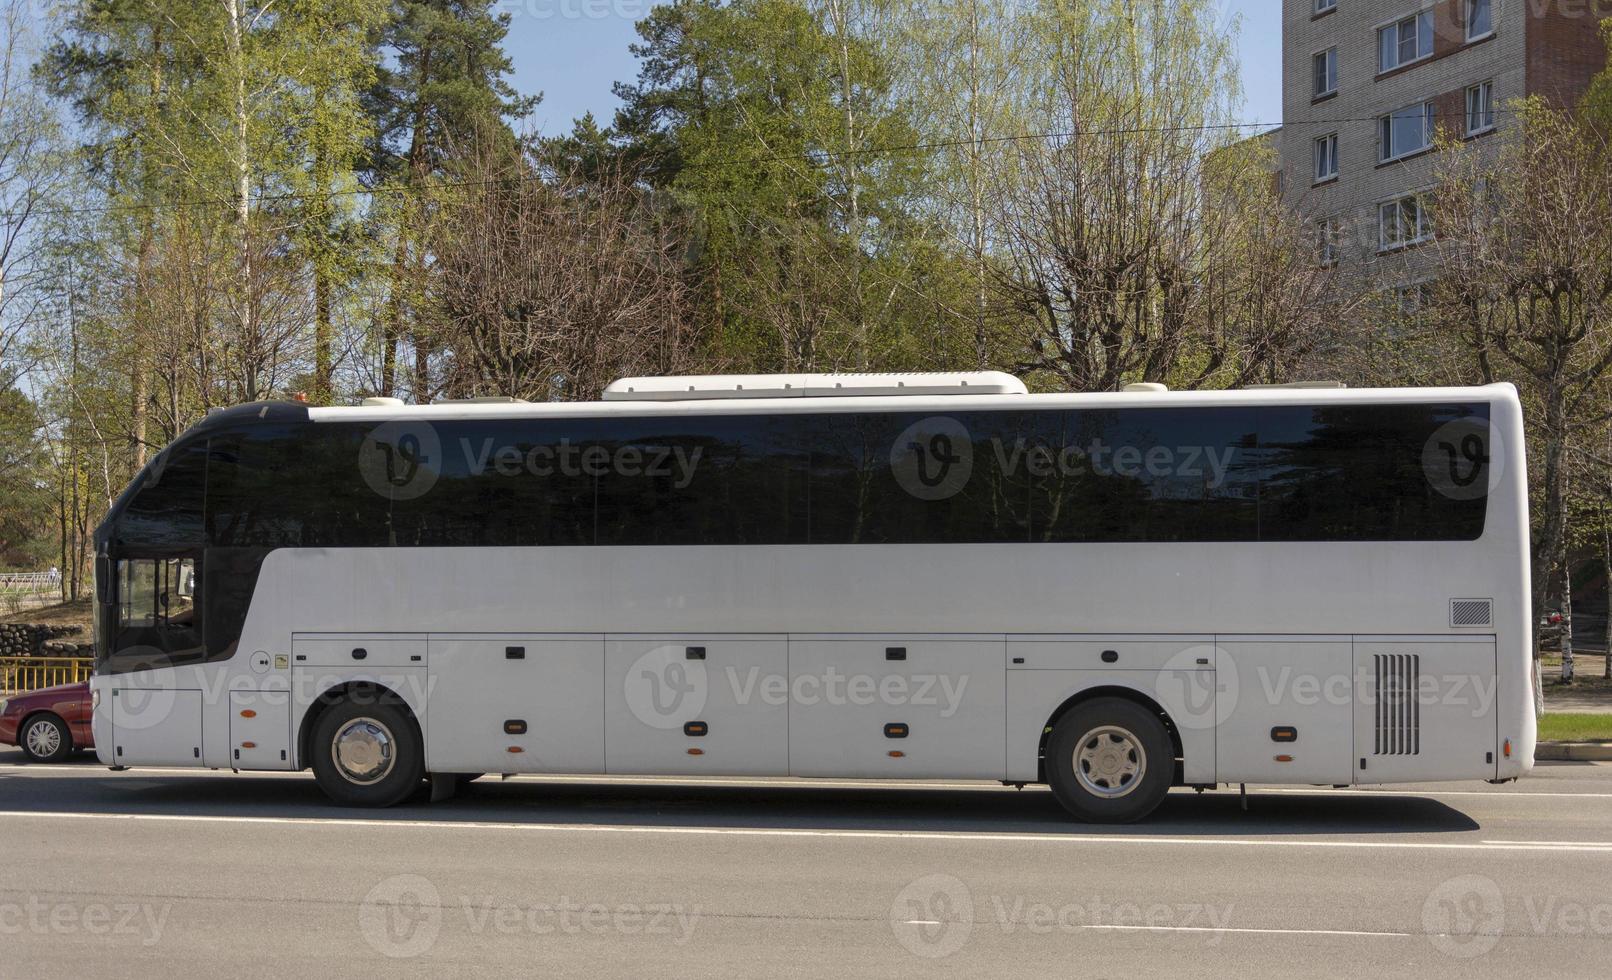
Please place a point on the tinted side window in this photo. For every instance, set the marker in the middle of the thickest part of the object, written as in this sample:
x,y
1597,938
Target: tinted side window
x,y
292,486
165,516
498,483
1145,475
699,480
1373,473
905,478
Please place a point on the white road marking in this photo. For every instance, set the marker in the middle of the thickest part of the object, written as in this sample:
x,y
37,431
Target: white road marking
x,y
803,782
1275,932
914,835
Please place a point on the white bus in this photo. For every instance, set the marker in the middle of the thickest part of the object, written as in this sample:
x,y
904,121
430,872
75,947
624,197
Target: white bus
x,y
889,577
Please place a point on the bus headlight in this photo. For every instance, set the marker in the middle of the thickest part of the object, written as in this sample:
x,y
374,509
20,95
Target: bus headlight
x,y
95,698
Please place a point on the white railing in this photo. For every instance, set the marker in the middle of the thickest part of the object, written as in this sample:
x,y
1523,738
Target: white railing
x,y
29,582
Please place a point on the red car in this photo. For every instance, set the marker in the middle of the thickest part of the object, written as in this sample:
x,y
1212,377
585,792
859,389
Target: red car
x,y
49,724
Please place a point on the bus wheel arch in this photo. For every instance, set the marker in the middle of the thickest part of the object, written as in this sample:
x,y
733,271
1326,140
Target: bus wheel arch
x,y
394,722
1111,691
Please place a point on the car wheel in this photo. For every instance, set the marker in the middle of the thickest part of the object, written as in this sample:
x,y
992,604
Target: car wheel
x,y
367,754
44,738
1110,761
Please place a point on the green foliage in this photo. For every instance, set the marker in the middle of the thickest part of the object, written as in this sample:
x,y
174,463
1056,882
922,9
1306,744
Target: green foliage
x,y
24,485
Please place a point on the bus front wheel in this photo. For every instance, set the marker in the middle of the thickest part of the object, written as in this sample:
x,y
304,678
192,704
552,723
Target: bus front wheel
x,y
1109,761
367,754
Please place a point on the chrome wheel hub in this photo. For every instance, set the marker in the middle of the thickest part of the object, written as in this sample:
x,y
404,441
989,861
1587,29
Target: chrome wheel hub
x,y
43,739
1109,762
363,751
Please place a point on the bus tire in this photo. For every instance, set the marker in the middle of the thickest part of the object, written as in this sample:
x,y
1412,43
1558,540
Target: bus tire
x,y
367,754
44,738
1109,761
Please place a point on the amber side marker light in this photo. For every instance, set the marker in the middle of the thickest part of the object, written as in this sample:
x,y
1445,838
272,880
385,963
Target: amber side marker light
x,y
248,713
696,751
898,755
1507,748
1284,758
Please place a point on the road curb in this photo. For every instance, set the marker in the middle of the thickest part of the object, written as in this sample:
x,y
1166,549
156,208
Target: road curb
x,y
1573,752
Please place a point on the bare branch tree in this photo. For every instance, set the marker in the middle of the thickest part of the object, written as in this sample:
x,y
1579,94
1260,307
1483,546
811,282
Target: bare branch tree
x,y
551,287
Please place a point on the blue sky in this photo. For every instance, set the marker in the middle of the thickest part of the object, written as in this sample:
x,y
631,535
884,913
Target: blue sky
x,y
572,50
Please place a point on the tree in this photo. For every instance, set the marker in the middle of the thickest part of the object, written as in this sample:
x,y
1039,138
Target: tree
x,y
1132,207
1525,251
964,71
30,166
773,123
443,89
552,288
331,132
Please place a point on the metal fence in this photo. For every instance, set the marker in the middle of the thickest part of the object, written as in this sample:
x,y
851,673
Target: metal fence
x,y
29,581
26,590
19,675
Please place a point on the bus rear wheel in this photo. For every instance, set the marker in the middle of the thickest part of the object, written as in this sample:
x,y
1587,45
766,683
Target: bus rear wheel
x,y
1109,761
367,754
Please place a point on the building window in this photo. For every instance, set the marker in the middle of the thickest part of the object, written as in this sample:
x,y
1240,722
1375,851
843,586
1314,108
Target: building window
x,y
1405,41
1405,131
1402,222
1329,240
1480,108
1479,19
1326,157
1411,298
1322,6
1325,80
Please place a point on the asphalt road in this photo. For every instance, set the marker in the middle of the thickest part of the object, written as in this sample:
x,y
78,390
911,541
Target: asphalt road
x,y
173,874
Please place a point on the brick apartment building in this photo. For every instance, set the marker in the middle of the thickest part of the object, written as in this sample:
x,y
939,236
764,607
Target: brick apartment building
x,y
1366,82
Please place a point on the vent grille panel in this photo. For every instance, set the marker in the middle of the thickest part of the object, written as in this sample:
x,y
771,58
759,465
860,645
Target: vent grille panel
x,y
1471,612
1399,714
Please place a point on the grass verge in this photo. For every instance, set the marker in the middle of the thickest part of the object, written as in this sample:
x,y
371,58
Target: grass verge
x,y
1562,726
